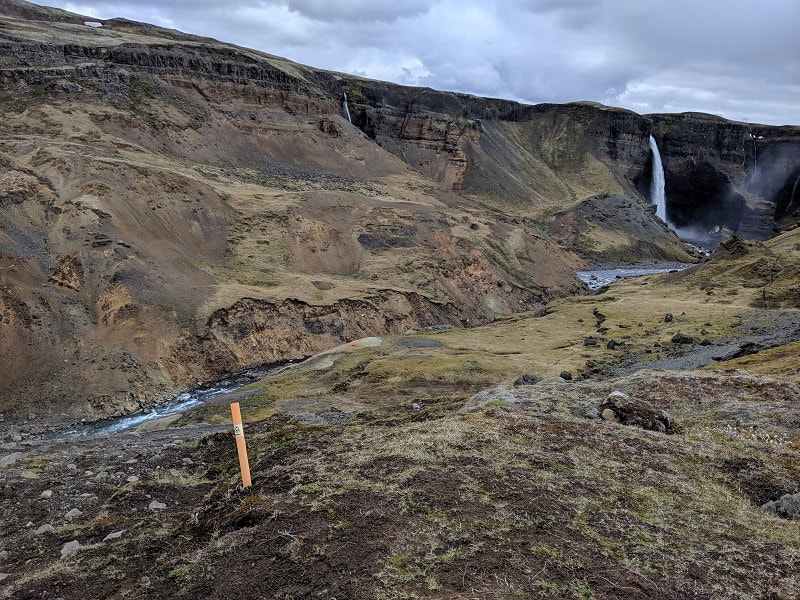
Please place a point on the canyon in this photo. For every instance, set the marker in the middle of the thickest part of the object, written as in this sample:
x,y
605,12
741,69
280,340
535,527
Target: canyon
x,y
158,186
386,278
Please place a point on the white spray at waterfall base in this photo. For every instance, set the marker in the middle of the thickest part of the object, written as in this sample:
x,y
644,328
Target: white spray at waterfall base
x,y
657,194
346,108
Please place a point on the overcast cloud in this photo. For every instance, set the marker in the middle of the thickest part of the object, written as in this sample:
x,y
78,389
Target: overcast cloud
x,y
736,58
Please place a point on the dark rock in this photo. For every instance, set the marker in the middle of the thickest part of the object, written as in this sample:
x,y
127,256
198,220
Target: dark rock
x,y
566,375
590,341
527,379
668,318
682,338
623,409
613,345
745,349
787,506
599,316
705,342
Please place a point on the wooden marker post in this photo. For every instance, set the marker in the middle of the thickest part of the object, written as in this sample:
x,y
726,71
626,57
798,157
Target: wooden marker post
x,y
241,447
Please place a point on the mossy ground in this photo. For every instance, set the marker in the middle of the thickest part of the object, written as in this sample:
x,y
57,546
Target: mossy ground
x,y
529,500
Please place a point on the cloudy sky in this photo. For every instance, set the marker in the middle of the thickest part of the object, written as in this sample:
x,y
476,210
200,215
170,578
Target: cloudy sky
x,y
736,58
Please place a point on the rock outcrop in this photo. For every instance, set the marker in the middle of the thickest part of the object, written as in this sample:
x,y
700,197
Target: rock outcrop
x,y
612,228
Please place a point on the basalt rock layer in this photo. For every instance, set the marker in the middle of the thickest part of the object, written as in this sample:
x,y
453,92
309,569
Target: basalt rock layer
x,y
725,174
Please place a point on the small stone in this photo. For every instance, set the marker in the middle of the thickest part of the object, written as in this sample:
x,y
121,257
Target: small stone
x,y
46,528
73,514
566,375
115,535
174,472
72,467
590,341
46,494
4,576
102,475
156,505
29,475
70,548
88,473
415,406
132,479
16,437
29,524
609,415
187,461
668,318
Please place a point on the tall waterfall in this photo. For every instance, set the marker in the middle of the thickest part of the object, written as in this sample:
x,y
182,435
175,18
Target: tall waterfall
x,y
657,195
346,108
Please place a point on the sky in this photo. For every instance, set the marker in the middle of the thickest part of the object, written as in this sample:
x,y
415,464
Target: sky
x,y
735,58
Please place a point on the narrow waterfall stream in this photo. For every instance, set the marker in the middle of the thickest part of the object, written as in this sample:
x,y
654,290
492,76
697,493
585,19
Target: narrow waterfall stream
x,y
346,108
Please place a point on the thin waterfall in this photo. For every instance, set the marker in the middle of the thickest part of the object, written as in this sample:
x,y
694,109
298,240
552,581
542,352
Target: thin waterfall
x,y
791,198
657,195
346,108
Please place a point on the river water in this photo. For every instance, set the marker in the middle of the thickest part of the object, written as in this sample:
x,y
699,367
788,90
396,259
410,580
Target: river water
x,y
602,277
178,404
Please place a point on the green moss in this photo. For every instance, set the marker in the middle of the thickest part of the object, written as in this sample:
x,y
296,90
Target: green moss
x,y
311,488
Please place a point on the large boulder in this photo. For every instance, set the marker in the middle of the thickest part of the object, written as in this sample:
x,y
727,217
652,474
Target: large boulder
x,y
787,506
621,408
527,379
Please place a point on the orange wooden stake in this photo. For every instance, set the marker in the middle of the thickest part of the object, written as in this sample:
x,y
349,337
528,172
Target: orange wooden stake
x,y
241,447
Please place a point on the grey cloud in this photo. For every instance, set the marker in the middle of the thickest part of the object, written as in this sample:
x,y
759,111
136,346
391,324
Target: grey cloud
x,y
733,57
358,10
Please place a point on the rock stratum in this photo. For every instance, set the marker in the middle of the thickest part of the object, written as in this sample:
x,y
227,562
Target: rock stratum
x,y
174,208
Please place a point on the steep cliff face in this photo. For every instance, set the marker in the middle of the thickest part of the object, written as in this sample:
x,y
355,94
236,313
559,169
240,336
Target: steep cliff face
x,y
722,176
721,173
521,158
